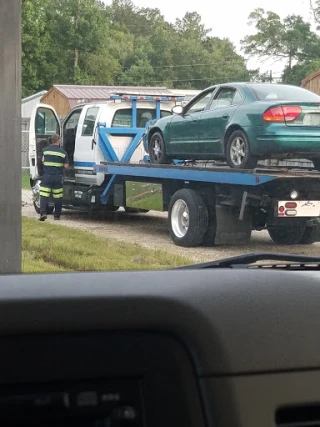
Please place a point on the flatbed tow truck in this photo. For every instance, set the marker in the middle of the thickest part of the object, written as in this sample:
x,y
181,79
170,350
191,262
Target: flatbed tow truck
x,y
206,205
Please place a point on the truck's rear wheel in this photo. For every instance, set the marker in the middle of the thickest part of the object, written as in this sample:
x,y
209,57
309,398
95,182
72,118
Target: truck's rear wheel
x,y
316,164
210,234
188,218
286,235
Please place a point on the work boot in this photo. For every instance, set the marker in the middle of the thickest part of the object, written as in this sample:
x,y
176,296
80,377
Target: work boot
x,y
43,217
57,218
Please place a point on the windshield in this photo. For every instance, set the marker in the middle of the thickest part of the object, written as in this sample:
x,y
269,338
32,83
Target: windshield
x,y
270,92
139,136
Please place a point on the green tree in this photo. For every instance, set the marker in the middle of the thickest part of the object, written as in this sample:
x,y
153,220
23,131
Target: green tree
x,y
298,72
139,74
80,29
86,42
190,27
36,42
139,21
257,76
290,39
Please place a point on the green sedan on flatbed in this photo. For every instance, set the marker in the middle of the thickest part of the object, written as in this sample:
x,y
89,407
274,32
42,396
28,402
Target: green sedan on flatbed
x,y
240,123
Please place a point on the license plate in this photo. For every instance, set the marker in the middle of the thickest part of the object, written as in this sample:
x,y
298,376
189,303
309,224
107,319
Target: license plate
x,y
298,208
312,119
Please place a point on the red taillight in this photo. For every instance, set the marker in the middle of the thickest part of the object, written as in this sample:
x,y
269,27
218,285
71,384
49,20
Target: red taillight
x,y
291,205
291,112
282,114
274,115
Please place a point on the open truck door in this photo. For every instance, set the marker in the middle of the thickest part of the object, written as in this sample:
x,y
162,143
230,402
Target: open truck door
x,y
43,124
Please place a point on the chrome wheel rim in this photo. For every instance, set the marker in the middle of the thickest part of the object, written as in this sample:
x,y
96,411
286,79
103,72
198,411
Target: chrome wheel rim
x,y
36,194
237,151
180,218
156,149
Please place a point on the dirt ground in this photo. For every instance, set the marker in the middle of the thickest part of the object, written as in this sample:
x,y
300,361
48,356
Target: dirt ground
x,y
151,231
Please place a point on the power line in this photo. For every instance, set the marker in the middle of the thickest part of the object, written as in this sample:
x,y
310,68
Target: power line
x,y
184,80
190,65
175,80
213,64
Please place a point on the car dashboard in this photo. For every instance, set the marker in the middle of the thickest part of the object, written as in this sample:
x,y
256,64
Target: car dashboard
x,y
186,348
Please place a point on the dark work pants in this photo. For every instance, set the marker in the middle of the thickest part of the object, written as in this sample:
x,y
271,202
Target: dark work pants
x,y
51,184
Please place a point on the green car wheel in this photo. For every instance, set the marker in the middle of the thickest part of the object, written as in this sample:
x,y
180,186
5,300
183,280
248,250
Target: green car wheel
x,y
157,150
238,153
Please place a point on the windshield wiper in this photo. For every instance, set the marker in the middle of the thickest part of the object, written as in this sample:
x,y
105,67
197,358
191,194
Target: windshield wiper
x,y
287,261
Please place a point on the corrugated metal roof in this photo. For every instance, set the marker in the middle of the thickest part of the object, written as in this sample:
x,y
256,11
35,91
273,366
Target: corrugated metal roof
x,y
98,93
34,96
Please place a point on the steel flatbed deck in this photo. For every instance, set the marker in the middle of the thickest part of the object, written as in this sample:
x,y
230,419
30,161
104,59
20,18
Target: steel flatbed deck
x,y
218,175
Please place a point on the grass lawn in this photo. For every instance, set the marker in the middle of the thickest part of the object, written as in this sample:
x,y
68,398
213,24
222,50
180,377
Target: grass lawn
x,y
49,247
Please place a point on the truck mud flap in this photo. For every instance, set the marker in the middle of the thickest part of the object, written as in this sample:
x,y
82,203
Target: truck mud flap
x,y
315,224
230,230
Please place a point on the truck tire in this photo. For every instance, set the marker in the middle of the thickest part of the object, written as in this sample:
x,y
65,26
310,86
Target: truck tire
x,y
238,153
157,150
188,218
286,235
309,236
210,234
316,164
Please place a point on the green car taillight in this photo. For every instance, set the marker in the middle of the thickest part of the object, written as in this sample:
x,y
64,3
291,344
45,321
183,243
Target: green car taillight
x,y
282,114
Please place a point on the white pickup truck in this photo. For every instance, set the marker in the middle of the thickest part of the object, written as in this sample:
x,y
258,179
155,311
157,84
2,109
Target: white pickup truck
x,y
80,139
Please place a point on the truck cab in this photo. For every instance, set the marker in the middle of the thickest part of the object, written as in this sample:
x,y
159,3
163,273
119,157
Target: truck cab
x,y
79,134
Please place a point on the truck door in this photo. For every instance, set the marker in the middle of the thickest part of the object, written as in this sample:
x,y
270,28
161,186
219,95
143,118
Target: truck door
x,y
44,123
69,131
86,147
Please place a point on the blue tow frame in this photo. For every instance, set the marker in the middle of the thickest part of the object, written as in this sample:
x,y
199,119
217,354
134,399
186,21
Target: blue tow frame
x,y
134,131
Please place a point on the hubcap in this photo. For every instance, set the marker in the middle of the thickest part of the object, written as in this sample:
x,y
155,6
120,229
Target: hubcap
x,y
156,149
237,151
180,218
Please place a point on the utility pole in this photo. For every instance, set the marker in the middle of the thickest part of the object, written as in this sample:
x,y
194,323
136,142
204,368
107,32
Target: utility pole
x,y
270,77
10,136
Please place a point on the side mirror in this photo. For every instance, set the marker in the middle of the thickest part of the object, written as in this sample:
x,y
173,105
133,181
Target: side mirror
x,y
177,109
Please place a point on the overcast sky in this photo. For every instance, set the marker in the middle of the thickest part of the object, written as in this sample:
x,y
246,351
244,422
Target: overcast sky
x,y
229,17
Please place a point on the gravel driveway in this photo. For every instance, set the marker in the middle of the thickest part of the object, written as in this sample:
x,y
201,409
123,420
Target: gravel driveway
x,y
150,230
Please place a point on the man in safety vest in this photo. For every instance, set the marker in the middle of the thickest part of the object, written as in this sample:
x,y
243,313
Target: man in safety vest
x,y
54,160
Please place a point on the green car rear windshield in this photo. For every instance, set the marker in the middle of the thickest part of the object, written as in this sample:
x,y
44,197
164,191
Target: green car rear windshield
x,y
274,92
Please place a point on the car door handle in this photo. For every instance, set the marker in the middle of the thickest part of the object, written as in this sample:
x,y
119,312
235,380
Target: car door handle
x,y
225,116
